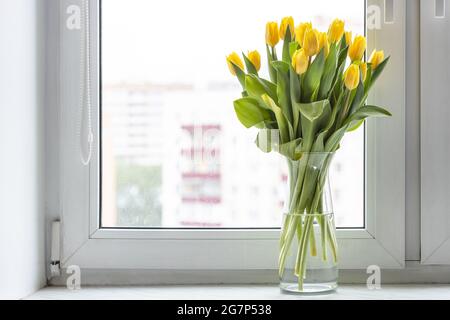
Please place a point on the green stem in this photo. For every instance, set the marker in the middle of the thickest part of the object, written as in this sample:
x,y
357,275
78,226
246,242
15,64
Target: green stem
x,y
323,235
288,237
344,111
309,226
333,240
301,254
310,182
312,242
290,227
283,233
299,228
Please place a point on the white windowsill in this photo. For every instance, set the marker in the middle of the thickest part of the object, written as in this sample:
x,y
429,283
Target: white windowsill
x,y
226,292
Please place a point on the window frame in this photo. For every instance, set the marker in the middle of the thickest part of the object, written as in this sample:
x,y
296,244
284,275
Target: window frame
x,y
435,187
382,242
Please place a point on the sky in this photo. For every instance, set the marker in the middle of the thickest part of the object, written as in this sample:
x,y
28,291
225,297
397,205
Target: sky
x,y
187,41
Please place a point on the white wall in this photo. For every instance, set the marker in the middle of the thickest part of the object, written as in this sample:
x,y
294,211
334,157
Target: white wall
x,y
22,251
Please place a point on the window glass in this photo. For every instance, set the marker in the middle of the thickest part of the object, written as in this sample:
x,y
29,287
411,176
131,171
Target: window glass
x,y
173,153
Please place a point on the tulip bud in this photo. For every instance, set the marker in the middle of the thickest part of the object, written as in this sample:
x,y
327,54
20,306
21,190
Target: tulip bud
x,y
348,38
300,32
234,58
255,59
376,58
356,50
285,23
363,68
311,42
272,37
300,61
351,77
336,31
323,43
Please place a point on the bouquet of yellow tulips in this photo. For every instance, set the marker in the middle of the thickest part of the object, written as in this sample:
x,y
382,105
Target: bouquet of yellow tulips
x,y
316,93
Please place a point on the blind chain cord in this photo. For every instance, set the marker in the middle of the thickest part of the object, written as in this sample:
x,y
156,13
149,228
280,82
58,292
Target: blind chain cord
x,y
85,85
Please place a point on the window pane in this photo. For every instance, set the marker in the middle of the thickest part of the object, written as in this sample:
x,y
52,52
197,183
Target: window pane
x,y
173,152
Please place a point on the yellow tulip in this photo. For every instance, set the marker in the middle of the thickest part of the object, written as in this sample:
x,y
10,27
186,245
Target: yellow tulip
x,y
234,58
376,58
272,37
300,61
285,23
363,68
255,59
356,50
311,42
300,32
351,77
336,31
348,38
323,43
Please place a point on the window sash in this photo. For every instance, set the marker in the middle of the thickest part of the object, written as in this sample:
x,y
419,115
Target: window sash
x,y
85,244
435,134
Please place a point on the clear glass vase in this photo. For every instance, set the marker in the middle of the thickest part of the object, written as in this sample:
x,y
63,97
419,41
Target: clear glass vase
x,y
308,246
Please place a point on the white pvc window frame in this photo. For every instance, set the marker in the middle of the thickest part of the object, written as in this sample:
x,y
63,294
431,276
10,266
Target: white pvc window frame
x,y
435,134
85,244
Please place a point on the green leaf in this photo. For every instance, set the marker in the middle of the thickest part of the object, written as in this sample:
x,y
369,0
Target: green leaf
x,y
270,59
343,56
286,45
292,149
366,112
294,79
239,74
250,67
250,113
269,140
314,117
314,110
333,142
358,99
330,124
256,88
367,83
355,125
313,75
271,87
337,82
329,72
377,72
293,46
343,44
286,131
283,90
281,66
318,145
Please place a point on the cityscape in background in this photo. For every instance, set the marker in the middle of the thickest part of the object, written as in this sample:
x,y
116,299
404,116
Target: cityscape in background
x,y
180,161
174,154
